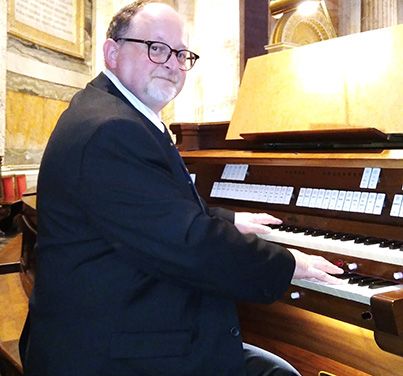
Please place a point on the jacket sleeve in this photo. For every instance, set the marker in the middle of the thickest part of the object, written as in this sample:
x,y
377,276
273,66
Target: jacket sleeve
x,y
223,213
135,202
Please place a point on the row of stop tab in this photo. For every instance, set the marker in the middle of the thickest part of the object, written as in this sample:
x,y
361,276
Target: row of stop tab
x,y
349,201
272,194
341,200
316,198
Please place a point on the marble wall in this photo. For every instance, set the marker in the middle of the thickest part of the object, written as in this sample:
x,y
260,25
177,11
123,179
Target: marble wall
x,y
30,121
39,84
3,46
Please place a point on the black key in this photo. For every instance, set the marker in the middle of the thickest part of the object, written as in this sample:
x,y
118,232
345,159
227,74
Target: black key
x,y
298,230
338,235
328,234
347,237
345,275
309,231
395,244
371,241
367,281
357,279
385,243
359,239
380,283
317,233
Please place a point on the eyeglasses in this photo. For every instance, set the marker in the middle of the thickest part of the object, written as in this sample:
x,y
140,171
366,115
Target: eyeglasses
x,y
160,52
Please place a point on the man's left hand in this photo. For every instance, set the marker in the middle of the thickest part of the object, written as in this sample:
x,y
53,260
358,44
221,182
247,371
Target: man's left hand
x,y
255,223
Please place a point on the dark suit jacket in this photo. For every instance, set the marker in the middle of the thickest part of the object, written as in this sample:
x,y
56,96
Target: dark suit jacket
x,y
133,276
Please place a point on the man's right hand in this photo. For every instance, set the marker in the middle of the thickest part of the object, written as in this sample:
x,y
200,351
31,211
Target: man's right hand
x,y
317,267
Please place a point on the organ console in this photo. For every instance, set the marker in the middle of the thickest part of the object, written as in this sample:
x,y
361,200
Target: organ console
x,y
347,207
301,146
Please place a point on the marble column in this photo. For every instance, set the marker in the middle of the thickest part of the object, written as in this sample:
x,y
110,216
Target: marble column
x,y
3,48
376,14
102,12
399,11
212,85
349,13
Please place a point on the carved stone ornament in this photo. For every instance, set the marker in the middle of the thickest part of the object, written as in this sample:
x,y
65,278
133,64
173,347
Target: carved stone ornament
x,y
295,29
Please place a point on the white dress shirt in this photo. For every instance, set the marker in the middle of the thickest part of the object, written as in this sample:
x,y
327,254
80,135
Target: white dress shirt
x,y
151,115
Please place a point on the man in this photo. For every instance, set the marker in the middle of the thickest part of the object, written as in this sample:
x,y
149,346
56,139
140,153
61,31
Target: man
x,y
135,276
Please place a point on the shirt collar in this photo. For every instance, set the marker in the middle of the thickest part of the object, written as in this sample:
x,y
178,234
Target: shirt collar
x,y
147,112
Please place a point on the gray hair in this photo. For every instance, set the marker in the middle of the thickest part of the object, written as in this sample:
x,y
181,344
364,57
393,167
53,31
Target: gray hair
x,y
120,22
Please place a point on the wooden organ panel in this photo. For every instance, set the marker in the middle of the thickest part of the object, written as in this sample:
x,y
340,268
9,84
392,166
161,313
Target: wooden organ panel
x,y
347,207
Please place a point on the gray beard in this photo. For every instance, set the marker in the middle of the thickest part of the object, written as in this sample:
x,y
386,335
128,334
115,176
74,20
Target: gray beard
x,y
161,95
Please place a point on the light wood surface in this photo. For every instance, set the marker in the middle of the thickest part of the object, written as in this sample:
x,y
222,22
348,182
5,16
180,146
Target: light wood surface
x,y
355,81
295,333
10,250
382,159
13,303
308,363
30,200
13,307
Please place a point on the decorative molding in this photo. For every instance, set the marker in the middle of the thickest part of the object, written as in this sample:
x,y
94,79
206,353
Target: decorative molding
x,y
293,28
42,71
55,24
24,84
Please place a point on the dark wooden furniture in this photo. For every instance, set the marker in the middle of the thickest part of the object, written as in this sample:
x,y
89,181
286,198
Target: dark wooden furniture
x,y
28,253
10,364
17,266
196,136
254,25
13,311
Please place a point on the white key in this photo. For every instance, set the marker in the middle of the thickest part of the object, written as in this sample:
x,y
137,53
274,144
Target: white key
x,y
348,248
361,294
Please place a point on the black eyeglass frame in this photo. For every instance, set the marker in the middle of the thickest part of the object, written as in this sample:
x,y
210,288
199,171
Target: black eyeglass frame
x,y
149,43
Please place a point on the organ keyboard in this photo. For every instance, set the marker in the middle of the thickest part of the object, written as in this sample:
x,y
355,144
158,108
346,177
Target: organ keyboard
x,y
341,243
346,207
357,292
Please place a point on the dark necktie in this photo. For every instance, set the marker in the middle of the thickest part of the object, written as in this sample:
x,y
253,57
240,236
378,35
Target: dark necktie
x,y
183,167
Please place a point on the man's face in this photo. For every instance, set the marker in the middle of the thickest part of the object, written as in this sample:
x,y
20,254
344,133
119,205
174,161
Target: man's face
x,y
154,84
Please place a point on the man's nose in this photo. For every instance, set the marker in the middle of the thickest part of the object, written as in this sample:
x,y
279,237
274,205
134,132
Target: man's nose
x,y
172,62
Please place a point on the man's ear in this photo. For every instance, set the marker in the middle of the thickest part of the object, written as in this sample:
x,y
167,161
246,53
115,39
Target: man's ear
x,y
111,51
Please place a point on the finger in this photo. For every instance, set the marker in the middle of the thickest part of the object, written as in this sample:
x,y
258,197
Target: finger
x,y
324,277
333,280
260,229
265,219
327,266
